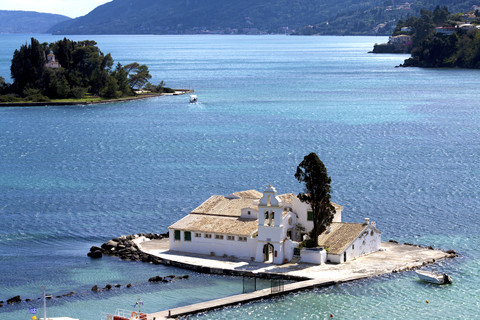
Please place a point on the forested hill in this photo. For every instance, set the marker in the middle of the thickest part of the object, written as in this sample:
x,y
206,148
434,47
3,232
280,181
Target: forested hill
x,y
378,17
28,21
251,16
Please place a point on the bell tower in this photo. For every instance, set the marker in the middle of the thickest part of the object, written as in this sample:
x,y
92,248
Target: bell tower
x,y
269,208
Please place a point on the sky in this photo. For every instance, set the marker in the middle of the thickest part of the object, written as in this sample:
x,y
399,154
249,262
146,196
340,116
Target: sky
x,y
69,8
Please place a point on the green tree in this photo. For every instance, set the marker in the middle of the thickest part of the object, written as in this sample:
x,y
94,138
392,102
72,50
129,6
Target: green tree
x,y
312,172
3,85
122,80
55,85
138,75
110,90
28,65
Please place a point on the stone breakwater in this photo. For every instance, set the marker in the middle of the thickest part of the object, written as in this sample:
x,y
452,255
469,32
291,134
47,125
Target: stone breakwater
x,y
126,248
96,288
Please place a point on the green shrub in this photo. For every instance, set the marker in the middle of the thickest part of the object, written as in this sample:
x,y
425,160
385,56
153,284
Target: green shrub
x,y
9,98
78,92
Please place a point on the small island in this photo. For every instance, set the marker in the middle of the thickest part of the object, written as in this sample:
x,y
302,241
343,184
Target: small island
x,y
437,39
298,241
71,72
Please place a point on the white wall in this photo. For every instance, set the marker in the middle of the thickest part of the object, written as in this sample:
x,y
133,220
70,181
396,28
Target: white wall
x,y
271,234
301,209
288,246
253,213
313,255
220,247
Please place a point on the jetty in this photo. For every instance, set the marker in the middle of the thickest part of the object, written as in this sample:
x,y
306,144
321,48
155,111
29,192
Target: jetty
x,y
391,258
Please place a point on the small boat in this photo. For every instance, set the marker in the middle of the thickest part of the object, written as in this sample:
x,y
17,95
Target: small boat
x,y
193,98
433,277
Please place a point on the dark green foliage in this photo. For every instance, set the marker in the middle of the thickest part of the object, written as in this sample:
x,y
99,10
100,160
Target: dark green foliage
x,y
55,84
35,95
432,50
160,88
110,90
9,98
309,243
138,75
121,75
378,17
3,85
312,172
28,65
83,69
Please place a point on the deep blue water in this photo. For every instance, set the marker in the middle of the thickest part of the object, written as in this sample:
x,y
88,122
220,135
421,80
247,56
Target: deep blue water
x,y
401,145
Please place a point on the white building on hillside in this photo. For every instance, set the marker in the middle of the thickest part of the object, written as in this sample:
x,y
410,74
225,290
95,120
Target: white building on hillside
x,y
267,227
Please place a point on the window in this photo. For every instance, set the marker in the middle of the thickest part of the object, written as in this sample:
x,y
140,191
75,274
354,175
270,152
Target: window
x,y
242,239
219,236
188,236
177,234
230,238
208,235
309,215
249,213
198,235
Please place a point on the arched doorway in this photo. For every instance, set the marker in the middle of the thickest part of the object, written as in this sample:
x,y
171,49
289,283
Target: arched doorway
x,y
268,253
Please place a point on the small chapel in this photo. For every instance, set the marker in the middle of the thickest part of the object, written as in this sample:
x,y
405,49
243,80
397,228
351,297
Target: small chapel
x,y
268,227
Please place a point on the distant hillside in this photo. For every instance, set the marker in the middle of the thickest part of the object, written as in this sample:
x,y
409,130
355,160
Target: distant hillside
x,y
250,16
28,21
378,17
196,16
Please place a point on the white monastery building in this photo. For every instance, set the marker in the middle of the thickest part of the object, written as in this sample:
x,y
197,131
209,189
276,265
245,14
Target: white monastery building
x,y
266,227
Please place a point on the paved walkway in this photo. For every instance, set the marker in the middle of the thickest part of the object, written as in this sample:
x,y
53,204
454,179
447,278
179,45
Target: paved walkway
x,y
391,258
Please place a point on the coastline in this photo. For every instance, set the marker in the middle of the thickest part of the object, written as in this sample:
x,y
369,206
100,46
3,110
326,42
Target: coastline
x,y
176,92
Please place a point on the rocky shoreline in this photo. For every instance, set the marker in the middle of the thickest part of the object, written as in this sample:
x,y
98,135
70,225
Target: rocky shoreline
x,y
126,249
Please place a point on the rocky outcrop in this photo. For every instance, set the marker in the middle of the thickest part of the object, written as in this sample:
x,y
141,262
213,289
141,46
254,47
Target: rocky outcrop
x,y
125,248
13,300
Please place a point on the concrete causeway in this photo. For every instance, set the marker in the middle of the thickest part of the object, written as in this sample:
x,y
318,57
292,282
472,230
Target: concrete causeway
x,y
392,257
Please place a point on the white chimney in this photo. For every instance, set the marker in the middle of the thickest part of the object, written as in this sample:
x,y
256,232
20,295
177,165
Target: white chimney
x,y
367,221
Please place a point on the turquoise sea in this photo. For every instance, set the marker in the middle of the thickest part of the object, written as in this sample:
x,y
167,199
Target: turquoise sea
x,y
401,146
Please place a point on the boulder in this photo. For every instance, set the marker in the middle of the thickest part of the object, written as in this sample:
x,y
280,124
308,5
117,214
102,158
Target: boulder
x,y
95,288
155,279
108,287
13,300
95,248
95,254
129,285
110,244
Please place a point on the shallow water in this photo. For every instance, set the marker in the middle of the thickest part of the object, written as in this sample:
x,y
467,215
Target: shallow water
x,y
401,146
